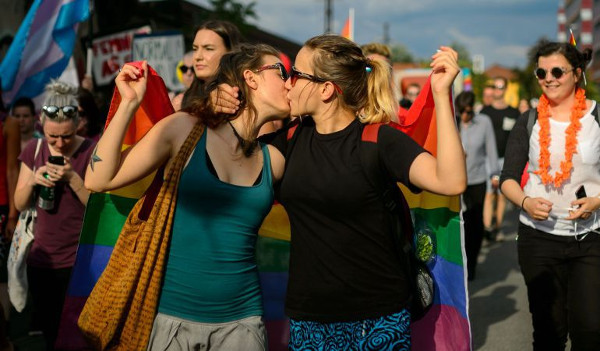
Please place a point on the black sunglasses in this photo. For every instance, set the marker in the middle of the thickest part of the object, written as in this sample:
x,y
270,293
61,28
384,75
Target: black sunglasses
x,y
184,69
68,111
282,72
556,72
297,74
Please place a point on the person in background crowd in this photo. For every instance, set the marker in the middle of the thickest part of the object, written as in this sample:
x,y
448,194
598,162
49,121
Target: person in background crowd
x,y
91,121
213,39
23,109
378,51
487,96
211,296
524,105
10,147
52,254
477,135
503,119
382,52
187,77
558,236
412,91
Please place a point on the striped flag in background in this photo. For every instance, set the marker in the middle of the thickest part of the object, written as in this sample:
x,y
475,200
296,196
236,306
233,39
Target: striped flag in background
x,y
42,47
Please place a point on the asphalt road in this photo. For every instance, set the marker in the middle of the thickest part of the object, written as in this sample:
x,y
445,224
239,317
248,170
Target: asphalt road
x,y
500,318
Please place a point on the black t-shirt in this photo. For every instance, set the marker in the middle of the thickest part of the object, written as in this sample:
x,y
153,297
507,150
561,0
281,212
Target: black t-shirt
x,y
344,262
503,122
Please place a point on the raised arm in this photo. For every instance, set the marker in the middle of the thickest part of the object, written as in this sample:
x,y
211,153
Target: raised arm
x,y
445,174
112,168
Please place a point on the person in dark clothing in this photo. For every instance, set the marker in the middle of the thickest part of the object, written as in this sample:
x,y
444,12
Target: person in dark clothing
x,y
503,118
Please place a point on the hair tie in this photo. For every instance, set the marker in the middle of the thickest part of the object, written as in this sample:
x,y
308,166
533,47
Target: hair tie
x,y
368,65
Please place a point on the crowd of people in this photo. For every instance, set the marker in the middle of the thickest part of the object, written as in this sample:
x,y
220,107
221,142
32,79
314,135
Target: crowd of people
x,y
241,94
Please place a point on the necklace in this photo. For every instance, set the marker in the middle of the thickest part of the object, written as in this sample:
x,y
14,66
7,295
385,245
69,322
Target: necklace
x,y
564,173
247,146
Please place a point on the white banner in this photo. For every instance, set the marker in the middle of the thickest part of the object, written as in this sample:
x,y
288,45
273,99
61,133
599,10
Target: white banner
x,y
163,51
111,52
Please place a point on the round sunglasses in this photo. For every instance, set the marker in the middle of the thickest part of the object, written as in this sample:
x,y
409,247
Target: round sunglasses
x,y
556,72
184,69
51,111
282,72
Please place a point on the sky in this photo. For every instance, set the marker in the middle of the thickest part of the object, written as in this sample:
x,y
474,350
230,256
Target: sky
x,y
500,30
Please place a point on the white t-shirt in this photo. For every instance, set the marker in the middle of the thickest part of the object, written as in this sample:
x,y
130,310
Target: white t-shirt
x,y
586,171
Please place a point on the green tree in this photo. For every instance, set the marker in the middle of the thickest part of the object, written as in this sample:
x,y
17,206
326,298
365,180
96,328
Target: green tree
x,y
234,12
464,57
400,53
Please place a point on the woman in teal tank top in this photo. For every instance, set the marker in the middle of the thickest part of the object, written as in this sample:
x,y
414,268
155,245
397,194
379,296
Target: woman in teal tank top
x,y
211,296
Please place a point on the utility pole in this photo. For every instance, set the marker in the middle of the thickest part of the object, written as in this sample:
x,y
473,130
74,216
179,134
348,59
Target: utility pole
x,y
386,33
328,6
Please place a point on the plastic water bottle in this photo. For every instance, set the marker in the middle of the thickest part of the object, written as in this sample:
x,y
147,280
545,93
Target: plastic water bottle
x,y
46,198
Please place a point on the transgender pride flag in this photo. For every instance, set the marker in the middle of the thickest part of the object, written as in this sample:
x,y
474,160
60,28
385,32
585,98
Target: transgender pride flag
x,y
42,47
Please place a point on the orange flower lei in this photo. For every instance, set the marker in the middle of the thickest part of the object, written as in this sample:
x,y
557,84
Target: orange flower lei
x,y
570,142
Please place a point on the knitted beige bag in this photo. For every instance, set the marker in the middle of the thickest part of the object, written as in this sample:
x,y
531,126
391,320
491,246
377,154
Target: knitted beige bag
x,y
120,310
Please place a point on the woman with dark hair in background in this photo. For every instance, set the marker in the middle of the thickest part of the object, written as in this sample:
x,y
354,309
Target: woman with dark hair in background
x,y
558,241
212,40
91,122
477,135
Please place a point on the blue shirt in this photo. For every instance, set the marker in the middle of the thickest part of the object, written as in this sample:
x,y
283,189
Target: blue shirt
x,y
211,274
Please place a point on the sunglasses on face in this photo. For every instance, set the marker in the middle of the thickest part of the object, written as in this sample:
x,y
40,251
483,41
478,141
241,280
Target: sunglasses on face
x,y
68,111
556,72
184,69
295,75
499,87
282,72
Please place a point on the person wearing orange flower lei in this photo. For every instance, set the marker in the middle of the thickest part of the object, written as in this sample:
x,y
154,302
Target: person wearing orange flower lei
x,y
558,237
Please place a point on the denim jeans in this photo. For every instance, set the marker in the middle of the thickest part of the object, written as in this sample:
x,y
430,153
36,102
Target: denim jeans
x,y
562,274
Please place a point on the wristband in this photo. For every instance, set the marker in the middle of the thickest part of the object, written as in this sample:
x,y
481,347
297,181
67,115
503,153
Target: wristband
x,y
523,202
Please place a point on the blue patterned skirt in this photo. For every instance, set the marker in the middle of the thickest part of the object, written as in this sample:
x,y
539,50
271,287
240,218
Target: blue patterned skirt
x,y
390,332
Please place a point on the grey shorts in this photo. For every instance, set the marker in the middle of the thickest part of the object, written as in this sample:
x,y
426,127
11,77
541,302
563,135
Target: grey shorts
x,y
175,334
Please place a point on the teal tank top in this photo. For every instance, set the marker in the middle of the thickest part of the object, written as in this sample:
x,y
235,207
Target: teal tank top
x,y
211,274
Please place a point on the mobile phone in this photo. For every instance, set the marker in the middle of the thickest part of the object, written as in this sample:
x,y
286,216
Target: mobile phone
x,y
56,160
581,192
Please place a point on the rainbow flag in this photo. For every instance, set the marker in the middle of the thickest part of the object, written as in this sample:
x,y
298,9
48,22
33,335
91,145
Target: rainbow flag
x,y
348,30
106,213
572,38
446,326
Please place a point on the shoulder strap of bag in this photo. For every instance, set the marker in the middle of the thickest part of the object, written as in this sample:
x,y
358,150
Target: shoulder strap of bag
x,y
37,151
175,171
389,192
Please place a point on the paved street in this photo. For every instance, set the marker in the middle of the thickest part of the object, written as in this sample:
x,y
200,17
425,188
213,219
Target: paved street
x,y
500,319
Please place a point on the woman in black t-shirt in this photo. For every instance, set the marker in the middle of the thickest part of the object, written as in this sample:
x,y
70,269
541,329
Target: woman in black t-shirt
x,y
346,287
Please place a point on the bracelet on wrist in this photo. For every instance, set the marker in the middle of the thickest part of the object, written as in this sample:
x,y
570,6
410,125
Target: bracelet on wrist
x,y
523,201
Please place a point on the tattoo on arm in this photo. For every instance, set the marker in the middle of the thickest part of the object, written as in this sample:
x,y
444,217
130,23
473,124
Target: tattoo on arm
x,y
95,158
